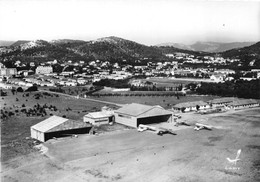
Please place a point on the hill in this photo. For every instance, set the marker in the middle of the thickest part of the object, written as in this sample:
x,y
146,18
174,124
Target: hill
x,y
249,56
172,50
107,48
19,42
5,43
209,46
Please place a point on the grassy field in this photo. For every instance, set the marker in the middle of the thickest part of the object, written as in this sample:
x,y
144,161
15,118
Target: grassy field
x,y
170,82
16,128
164,101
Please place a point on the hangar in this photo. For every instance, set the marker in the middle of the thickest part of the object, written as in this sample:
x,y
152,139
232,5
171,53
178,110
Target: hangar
x,y
56,126
105,116
135,114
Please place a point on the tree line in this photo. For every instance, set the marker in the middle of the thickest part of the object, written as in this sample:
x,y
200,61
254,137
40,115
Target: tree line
x,y
236,88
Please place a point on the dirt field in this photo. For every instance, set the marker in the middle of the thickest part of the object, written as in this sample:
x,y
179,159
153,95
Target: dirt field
x,y
129,155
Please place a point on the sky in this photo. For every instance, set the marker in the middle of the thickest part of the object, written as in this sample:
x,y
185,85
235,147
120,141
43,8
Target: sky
x,y
148,22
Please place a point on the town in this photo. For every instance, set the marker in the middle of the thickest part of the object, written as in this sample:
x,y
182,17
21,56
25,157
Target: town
x,y
81,73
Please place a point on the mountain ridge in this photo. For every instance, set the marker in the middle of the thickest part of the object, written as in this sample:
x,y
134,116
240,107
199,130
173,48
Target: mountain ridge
x,y
211,47
113,49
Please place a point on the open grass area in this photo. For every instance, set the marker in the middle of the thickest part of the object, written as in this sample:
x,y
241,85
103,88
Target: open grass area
x,y
15,128
71,107
164,101
172,81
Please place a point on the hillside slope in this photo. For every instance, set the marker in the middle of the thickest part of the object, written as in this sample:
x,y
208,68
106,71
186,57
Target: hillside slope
x,y
210,47
108,48
249,56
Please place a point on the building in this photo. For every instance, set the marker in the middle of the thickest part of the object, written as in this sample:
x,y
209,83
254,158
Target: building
x,y
221,101
56,126
219,77
44,70
105,116
225,71
134,114
8,71
141,83
243,103
191,106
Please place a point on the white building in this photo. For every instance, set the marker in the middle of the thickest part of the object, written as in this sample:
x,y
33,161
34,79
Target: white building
x,y
191,106
8,71
102,117
44,70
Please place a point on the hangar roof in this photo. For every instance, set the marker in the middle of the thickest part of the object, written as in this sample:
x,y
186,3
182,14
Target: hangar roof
x,y
222,100
56,123
96,115
135,109
243,102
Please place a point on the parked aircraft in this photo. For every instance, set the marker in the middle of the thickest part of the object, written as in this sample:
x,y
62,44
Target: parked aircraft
x,y
181,123
143,127
162,131
200,126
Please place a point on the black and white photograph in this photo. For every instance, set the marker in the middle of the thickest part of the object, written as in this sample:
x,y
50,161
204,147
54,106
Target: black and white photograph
x,y
130,90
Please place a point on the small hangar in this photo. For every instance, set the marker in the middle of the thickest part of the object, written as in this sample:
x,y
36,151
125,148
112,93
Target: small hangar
x,y
105,116
134,114
56,126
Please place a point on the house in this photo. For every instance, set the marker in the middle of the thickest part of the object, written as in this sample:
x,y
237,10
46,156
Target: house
x,y
243,103
221,101
8,71
217,77
71,83
44,70
56,126
191,106
134,114
225,71
141,83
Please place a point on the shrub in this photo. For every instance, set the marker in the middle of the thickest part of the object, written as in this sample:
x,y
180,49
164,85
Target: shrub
x,y
32,89
10,113
19,89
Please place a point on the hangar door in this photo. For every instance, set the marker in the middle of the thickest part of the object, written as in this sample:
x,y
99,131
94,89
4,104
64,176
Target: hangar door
x,y
153,119
66,133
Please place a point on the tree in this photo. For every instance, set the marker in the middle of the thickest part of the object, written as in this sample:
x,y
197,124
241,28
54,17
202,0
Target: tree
x,y
13,91
2,93
32,89
19,89
183,109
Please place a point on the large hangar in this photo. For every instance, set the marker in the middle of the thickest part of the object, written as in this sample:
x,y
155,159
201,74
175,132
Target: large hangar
x,y
135,114
56,126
